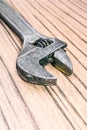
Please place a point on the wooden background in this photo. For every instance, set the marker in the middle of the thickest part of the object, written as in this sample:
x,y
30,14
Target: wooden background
x,y
25,106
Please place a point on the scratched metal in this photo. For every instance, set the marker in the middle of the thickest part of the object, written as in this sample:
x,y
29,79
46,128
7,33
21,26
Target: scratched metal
x,y
37,50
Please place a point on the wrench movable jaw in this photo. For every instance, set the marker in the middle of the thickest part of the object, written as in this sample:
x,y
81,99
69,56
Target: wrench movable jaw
x,y
62,62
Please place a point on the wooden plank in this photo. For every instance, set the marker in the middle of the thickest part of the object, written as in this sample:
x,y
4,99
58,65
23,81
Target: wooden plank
x,y
33,107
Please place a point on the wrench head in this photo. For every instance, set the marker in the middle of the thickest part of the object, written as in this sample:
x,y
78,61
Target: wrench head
x,y
32,59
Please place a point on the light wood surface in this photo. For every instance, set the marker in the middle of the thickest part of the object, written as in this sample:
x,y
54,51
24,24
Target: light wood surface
x,y
25,106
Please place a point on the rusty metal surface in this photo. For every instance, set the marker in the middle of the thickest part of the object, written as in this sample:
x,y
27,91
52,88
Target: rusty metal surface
x,y
37,51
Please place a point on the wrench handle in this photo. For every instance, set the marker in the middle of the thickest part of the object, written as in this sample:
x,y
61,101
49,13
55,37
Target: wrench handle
x,y
15,21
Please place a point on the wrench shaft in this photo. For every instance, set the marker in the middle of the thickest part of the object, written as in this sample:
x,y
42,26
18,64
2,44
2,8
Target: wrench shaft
x,y
15,21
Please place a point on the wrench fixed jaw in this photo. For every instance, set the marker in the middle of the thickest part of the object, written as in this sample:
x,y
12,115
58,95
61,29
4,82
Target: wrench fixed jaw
x,y
40,77
29,68
31,60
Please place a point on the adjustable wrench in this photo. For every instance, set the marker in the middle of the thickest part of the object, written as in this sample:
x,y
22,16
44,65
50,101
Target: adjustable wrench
x,y
37,50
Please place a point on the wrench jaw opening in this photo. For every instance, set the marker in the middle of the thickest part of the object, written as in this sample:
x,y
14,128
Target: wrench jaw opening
x,y
33,57
59,59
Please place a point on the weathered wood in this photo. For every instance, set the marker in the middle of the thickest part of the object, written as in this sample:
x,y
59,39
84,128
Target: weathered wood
x,y
32,107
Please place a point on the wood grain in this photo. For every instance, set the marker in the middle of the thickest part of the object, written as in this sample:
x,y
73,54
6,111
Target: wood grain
x,y
32,107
